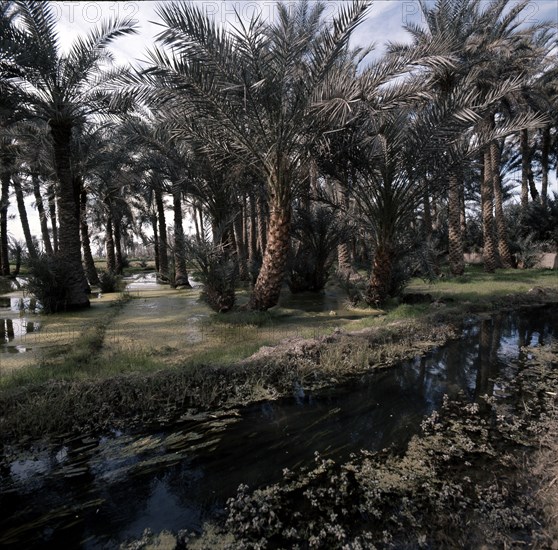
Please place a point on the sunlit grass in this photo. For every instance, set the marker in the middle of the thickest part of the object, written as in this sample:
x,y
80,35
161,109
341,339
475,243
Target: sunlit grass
x,y
147,331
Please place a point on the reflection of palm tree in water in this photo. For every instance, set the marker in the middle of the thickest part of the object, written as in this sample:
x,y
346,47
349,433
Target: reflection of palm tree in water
x,y
489,342
6,331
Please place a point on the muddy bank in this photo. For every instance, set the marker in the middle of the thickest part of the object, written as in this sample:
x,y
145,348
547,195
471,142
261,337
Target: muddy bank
x,y
62,408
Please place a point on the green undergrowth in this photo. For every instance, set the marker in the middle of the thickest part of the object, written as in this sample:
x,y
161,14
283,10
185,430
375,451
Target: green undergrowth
x,y
88,404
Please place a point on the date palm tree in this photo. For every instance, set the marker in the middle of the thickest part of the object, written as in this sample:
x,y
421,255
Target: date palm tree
x,y
255,87
490,50
65,90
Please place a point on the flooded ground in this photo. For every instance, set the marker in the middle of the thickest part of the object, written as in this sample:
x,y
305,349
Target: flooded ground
x,y
97,492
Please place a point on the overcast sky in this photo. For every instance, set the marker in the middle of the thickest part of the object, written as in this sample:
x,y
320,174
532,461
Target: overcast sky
x,y
384,23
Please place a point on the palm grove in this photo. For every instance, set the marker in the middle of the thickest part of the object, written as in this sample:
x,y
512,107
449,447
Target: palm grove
x,y
290,150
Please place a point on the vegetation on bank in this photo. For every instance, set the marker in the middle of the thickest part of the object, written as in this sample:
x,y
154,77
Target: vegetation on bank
x,y
467,480
105,385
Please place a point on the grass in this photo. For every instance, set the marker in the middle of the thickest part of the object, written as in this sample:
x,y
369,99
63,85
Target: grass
x,y
166,329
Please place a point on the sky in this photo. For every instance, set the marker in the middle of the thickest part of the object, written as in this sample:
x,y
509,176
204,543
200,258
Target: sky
x,y
384,23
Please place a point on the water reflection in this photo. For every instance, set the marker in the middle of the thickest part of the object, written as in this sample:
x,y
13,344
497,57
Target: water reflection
x,y
105,490
10,329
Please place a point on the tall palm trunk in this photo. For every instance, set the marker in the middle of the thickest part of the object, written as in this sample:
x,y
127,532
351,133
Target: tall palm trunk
x,y
52,214
119,264
5,177
90,269
455,236
240,246
345,266
20,199
69,248
155,240
545,153
163,253
270,278
262,229
501,229
180,272
525,167
109,242
379,285
42,214
487,206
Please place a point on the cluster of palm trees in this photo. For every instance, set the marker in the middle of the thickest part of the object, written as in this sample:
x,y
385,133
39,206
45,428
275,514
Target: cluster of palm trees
x,y
268,128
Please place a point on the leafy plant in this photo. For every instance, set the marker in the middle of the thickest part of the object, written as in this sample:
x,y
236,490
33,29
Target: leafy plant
x,y
316,233
108,281
49,281
217,269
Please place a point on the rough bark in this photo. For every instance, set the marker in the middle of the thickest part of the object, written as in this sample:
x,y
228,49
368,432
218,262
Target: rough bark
x,y
4,203
501,226
270,278
525,167
455,236
42,215
52,213
20,199
109,242
155,240
545,153
345,267
427,218
180,272
90,269
240,247
487,205
119,265
262,229
163,252
69,248
379,284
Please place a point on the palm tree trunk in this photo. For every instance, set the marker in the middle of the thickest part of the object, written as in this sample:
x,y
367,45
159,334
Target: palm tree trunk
x,y
119,265
525,168
427,218
196,224
253,256
545,153
270,278
501,229
155,240
23,217
240,247
455,236
90,269
109,242
42,215
532,187
345,267
53,217
487,206
180,272
163,253
70,244
6,177
262,229
379,285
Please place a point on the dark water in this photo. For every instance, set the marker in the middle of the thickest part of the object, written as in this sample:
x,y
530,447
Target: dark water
x,y
95,493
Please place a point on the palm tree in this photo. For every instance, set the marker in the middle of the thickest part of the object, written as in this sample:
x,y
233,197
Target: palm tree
x,y
64,90
171,160
254,88
488,50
